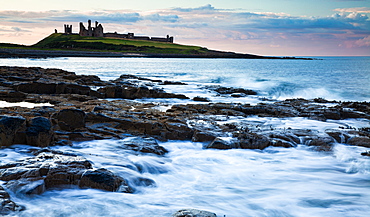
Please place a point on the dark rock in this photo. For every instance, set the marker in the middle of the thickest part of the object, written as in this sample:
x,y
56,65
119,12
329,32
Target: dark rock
x,y
137,92
144,145
172,83
71,119
360,141
105,180
178,131
199,136
7,206
254,141
366,153
340,137
201,99
39,132
193,213
285,136
9,127
37,87
10,95
231,90
322,143
219,143
50,169
282,143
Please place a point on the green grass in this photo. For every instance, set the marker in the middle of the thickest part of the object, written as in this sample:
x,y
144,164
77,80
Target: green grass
x,y
12,46
76,42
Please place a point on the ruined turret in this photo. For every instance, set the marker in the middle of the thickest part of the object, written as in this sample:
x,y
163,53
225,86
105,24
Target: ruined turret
x,y
89,29
83,31
67,29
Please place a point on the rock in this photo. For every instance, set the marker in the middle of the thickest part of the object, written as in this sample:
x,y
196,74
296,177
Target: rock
x,y
10,95
37,87
360,141
201,99
231,90
39,132
7,206
285,136
340,137
144,145
136,92
322,143
193,213
103,179
178,131
9,127
253,141
172,83
199,136
220,143
71,119
53,169
366,153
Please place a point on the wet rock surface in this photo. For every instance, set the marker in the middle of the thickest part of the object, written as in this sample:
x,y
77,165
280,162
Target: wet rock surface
x,y
7,206
48,170
193,213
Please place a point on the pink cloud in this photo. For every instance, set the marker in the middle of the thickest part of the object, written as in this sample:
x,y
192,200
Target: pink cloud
x,y
365,42
356,10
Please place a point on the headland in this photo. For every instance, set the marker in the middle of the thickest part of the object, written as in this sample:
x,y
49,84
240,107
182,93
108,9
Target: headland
x,y
94,42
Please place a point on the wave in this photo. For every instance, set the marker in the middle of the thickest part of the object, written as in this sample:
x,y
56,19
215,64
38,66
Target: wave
x,y
288,91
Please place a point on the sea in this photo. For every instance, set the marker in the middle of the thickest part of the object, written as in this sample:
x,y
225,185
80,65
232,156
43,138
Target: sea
x,y
298,181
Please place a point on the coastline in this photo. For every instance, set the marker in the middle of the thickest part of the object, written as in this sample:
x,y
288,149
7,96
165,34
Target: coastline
x,y
85,108
38,53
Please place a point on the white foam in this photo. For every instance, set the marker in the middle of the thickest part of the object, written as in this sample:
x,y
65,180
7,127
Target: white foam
x,y
4,104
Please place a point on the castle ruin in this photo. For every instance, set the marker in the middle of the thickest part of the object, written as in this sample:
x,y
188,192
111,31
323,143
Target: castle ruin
x,y
68,29
98,31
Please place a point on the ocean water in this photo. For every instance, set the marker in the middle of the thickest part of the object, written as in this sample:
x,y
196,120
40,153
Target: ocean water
x,y
332,78
276,181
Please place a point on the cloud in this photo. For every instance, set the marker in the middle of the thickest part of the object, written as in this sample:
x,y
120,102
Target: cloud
x,y
77,16
364,42
205,8
207,25
165,18
356,10
13,30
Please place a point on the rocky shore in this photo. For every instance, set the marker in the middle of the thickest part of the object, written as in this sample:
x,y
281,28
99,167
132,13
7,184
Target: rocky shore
x,y
83,108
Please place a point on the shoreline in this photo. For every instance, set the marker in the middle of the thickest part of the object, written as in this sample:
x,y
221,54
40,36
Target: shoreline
x,y
84,108
37,53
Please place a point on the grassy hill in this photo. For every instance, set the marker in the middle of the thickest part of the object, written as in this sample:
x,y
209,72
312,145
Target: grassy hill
x,y
61,45
80,43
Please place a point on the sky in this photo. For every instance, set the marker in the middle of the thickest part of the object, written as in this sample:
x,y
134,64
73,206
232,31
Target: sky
x,y
263,27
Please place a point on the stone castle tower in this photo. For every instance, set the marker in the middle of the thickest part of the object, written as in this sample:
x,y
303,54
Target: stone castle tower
x,y
96,31
67,29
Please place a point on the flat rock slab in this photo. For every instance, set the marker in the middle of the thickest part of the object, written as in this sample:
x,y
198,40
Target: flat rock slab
x,y
51,169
